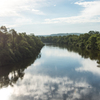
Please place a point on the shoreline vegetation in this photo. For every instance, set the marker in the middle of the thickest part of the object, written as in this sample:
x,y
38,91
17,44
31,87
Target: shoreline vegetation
x,y
89,41
87,45
16,47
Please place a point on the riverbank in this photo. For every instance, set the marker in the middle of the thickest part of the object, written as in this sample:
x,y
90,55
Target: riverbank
x,y
15,47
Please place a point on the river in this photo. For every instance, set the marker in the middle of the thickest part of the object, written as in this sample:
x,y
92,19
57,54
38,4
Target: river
x,y
58,74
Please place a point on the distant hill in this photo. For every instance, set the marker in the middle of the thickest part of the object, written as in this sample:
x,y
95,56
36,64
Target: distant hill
x,y
62,34
65,34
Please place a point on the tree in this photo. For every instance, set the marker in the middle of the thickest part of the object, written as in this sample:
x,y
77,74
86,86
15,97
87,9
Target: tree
x,y
14,34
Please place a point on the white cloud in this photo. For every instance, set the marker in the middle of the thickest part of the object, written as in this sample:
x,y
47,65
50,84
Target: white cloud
x,y
91,13
14,7
91,8
18,21
16,11
38,12
74,19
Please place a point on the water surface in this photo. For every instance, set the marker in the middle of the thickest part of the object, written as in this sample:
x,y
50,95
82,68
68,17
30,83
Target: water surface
x,y
58,74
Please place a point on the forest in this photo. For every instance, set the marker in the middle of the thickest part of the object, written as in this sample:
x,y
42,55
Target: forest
x,y
90,40
15,47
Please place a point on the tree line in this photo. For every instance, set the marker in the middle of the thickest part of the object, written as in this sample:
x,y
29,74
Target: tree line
x,y
90,40
15,46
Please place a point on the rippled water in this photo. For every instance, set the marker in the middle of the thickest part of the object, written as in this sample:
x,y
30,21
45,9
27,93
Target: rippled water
x,y
58,75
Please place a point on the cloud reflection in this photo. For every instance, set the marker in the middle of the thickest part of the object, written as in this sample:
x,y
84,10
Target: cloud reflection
x,y
54,51
39,87
89,66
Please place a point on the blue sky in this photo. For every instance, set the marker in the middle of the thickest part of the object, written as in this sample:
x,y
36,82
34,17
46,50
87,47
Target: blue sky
x,y
50,16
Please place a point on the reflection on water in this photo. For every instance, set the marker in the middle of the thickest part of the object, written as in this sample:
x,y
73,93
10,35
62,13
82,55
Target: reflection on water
x,y
11,73
59,74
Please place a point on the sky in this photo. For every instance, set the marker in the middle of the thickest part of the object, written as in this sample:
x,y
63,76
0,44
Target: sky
x,y
44,17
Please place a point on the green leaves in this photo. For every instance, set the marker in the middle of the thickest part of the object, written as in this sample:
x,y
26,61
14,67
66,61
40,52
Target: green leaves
x,y
17,46
89,40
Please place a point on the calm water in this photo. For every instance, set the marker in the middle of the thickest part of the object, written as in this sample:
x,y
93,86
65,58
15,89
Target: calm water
x,y
57,75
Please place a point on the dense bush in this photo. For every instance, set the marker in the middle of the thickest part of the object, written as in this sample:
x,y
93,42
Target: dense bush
x,y
90,40
15,46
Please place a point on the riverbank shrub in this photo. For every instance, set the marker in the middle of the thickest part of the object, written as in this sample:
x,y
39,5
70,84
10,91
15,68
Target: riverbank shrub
x,y
90,40
15,46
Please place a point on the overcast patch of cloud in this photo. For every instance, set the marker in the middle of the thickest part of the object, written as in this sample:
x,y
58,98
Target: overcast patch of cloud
x,y
15,7
17,11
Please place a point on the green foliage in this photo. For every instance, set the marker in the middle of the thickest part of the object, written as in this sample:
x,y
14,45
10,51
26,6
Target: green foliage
x,y
15,46
90,40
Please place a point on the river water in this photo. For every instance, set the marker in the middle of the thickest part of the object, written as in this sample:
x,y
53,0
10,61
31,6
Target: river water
x,y
58,74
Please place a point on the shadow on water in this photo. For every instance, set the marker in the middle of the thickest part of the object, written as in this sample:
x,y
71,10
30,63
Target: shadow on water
x,y
10,73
